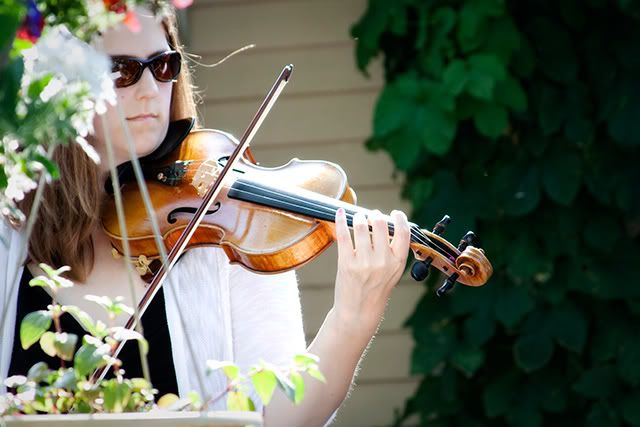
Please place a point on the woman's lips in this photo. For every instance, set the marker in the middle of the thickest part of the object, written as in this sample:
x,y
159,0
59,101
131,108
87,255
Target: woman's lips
x,y
142,117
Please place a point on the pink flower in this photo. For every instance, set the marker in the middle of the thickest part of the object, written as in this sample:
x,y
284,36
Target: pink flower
x,y
181,4
131,21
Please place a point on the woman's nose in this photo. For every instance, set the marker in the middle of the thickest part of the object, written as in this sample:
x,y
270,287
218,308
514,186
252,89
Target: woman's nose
x,y
147,86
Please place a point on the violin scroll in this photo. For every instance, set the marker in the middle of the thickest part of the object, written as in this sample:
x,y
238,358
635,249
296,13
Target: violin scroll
x,y
466,264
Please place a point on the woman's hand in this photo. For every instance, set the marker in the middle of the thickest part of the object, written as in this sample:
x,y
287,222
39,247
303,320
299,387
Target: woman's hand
x,y
368,268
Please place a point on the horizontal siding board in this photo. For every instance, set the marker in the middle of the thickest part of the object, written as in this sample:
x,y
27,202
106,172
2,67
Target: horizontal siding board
x,y
251,73
272,24
362,167
298,120
384,348
316,302
372,405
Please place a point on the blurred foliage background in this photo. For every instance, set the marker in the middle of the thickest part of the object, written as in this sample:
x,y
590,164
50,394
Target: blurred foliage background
x,y
520,119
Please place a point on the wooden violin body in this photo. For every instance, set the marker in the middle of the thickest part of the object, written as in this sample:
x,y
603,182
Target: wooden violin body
x,y
267,219
262,238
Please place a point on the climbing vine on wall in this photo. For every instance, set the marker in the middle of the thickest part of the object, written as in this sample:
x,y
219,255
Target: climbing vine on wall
x,y
521,120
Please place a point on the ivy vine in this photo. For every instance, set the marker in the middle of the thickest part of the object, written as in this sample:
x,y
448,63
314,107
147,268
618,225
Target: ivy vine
x,y
520,119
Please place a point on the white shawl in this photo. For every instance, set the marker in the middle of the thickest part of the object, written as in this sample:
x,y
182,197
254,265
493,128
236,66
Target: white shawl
x,y
230,314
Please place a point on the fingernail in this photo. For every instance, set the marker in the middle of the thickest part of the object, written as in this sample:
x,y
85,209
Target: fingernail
x,y
340,212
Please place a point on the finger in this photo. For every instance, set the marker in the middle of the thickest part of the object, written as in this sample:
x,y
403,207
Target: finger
x,y
380,231
343,237
361,235
401,234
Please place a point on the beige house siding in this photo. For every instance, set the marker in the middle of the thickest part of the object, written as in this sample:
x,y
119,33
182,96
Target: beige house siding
x,y
324,113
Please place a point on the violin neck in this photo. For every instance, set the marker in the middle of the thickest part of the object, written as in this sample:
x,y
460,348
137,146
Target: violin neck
x,y
302,202
321,207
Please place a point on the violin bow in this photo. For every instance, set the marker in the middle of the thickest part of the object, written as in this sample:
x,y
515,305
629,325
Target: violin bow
x,y
208,199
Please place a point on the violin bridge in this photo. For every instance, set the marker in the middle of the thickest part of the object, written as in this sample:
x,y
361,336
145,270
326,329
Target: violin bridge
x,y
205,176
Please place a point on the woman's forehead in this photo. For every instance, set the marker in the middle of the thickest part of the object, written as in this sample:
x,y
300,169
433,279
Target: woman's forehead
x,y
150,38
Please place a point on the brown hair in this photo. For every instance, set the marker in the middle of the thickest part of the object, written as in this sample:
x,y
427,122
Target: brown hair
x,y
71,206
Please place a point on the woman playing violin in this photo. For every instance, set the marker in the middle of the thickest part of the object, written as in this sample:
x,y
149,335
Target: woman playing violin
x,y
230,312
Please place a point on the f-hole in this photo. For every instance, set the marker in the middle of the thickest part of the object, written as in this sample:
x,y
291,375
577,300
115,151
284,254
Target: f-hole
x,y
171,218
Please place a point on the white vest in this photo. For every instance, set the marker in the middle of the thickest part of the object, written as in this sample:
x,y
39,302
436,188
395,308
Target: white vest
x,y
230,314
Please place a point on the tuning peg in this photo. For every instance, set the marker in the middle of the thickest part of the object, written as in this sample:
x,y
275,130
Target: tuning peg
x,y
441,225
447,285
420,269
468,239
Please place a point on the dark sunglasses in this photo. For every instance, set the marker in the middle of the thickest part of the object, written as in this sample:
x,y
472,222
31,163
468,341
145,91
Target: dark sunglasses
x,y
165,67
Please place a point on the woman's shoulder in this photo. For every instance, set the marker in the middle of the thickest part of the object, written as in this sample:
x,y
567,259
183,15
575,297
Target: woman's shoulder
x,y
10,235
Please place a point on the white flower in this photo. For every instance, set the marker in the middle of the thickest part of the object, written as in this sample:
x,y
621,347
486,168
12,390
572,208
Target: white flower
x,y
18,184
77,67
71,60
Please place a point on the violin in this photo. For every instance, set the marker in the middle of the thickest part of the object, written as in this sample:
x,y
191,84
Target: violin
x,y
268,220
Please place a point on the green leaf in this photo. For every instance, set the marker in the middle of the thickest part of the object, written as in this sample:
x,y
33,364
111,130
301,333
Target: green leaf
x,y
479,328
38,372
556,51
317,374
532,351
32,327
455,77
306,359
597,383
498,395
524,415
509,93
562,175
285,384
264,381
393,109
65,345
569,327
116,395
433,347
491,121
436,128
37,86
47,343
550,108
512,304
485,71
90,357
468,360
230,370
629,362
85,320
66,379
601,415
124,334
630,408
623,124
10,77
115,306
11,15
238,401
525,260
602,232
298,383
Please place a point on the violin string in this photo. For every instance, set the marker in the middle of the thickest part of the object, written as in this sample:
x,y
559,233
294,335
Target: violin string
x,y
416,233
314,207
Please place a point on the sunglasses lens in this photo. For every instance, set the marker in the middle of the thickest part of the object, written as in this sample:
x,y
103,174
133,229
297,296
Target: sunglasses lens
x,y
166,67
129,70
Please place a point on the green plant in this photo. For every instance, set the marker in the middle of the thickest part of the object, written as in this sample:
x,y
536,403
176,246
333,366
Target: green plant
x,y
71,389
518,119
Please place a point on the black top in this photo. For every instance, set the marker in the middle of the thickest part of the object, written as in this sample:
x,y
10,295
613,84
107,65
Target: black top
x,y
154,323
